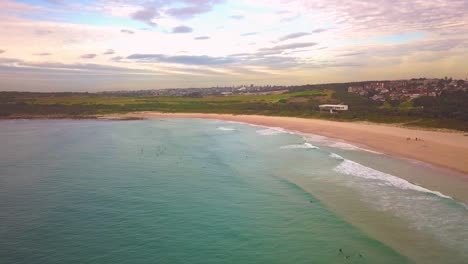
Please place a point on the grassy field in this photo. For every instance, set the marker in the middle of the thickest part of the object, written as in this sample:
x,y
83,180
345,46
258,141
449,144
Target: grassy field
x,y
87,104
106,100
302,103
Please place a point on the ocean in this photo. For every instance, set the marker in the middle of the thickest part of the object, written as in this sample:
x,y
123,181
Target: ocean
x,y
207,191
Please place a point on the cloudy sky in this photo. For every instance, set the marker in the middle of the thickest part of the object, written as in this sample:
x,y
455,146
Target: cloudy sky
x,y
86,45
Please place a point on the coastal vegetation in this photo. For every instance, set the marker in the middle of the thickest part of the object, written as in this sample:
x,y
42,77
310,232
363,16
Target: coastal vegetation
x,y
449,110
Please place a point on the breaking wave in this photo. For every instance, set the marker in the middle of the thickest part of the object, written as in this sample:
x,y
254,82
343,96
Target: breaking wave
x,y
271,131
226,128
336,156
336,144
300,146
345,146
352,168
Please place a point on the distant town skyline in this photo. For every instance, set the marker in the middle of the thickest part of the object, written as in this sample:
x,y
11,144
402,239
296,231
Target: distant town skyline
x,y
82,45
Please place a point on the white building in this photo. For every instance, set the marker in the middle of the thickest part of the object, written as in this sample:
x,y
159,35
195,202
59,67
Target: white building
x,y
331,108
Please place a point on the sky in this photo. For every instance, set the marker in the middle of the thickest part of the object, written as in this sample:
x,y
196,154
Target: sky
x,y
102,45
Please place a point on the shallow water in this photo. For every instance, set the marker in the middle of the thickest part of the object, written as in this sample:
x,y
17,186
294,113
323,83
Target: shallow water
x,y
200,191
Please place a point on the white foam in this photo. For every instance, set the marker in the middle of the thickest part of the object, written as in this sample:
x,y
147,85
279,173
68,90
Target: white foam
x,y
349,167
336,144
336,156
316,138
226,128
300,146
345,146
271,131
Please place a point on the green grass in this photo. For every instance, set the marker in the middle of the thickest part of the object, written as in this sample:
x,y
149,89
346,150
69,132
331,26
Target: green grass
x,y
106,100
299,104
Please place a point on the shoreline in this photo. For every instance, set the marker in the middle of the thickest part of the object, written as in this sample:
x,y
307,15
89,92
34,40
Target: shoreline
x,y
444,149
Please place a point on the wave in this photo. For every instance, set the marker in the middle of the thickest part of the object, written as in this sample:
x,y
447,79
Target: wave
x,y
271,131
347,146
226,128
335,144
336,156
352,168
300,146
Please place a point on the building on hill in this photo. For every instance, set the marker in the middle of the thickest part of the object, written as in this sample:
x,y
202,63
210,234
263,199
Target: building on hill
x,y
331,108
358,90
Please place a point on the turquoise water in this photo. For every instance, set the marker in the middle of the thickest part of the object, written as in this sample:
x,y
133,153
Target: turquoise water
x,y
198,191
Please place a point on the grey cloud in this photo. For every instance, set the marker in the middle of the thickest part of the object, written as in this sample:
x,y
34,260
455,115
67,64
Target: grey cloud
x,y
409,48
152,9
192,8
88,56
349,54
127,31
187,12
2,51
281,48
294,35
43,54
47,67
182,29
241,55
202,38
343,64
273,62
146,15
181,59
109,52
9,60
319,30
393,15
117,58
330,64
269,56
392,54
56,2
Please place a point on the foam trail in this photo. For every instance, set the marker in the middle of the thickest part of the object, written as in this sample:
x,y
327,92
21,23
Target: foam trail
x,y
335,144
347,146
300,146
226,128
349,167
271,131
336,156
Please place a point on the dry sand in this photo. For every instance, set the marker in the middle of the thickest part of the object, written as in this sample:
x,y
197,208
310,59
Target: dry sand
x,y
441,148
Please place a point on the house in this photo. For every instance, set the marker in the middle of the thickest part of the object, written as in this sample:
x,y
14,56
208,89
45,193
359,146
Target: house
x,y
378,98
331,108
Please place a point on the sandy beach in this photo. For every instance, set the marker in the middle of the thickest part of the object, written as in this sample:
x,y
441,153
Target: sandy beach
x,y
445,149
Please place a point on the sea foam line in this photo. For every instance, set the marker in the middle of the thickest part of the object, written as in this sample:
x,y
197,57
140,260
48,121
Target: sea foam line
x,y
352,168
300,146
336,156
335,143
270,131
226,128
